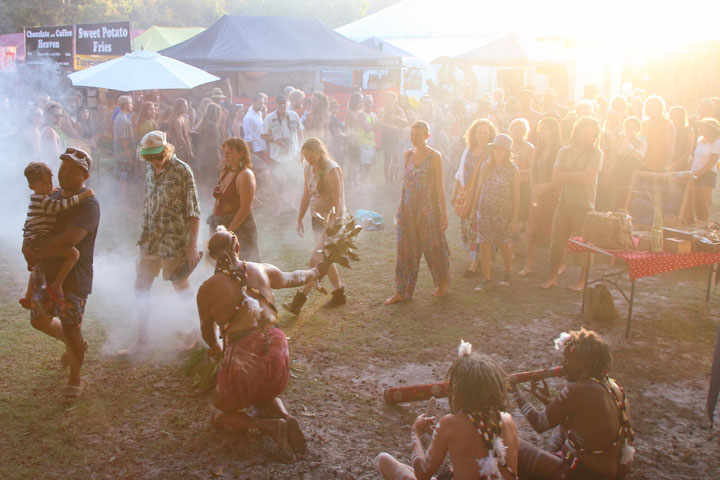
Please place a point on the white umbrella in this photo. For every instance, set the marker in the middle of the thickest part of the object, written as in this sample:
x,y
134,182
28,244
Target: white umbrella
x,y
142,71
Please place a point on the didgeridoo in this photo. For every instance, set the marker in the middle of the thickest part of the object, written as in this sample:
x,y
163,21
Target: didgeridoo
x,y
414,393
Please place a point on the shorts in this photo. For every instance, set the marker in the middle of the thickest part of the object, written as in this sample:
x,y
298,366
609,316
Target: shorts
x,y
707,179
42,305
367,154
149,265
284,174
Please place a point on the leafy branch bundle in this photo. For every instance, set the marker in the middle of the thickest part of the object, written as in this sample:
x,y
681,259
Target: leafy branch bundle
x,y
201,370
340,236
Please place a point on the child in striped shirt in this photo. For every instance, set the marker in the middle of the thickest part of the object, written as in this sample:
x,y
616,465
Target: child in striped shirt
x,y
39,224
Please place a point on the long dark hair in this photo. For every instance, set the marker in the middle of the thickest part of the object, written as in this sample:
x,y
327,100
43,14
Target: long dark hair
x,y
239,145
145,114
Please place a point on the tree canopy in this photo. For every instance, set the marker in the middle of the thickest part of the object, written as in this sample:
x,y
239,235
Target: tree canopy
x,y
17,14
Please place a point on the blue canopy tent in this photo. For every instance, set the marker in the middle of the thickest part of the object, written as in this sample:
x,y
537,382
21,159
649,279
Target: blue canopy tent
x,y
246,43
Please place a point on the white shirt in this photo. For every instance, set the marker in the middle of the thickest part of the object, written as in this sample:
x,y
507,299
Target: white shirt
x,y
286,128
253,127
702,154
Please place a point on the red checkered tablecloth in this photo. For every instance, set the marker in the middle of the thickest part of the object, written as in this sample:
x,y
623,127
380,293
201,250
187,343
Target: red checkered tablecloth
x,y
646,264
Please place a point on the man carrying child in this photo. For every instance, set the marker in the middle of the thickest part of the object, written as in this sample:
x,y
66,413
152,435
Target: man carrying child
x,y
75,229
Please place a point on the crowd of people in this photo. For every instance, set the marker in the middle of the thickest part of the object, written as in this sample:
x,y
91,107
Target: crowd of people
x,y
527,164
541,173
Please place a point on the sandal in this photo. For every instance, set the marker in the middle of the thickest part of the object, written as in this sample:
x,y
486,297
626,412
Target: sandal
x,y
71,392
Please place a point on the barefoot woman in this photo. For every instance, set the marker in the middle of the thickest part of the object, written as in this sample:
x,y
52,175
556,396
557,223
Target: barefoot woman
x,y
421,219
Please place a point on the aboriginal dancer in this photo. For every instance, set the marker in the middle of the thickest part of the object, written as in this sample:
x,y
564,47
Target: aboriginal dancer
x,y
255,369
592,437
480,437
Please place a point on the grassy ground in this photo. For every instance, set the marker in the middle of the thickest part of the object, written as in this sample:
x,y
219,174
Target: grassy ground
x,y
138,421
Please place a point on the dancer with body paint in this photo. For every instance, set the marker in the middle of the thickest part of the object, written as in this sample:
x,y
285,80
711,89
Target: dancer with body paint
x,y
590,418
255,364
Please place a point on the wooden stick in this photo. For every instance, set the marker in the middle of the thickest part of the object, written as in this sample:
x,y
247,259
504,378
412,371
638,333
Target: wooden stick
x,y
414,393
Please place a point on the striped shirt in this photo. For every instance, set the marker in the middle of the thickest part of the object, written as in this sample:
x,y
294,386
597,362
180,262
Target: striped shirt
x,y
41,214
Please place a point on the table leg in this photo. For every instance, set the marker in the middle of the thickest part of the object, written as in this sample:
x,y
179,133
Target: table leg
x,y
713,269
630,309
587,276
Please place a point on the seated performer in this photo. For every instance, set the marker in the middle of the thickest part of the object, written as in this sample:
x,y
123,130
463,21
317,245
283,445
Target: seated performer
x,y
591,417
255,359
481,438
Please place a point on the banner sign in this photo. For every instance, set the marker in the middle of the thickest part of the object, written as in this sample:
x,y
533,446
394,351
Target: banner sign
x,y
98,42
49,43
7,58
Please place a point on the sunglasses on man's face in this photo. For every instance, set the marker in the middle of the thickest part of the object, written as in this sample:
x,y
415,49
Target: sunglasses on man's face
x,y
77,153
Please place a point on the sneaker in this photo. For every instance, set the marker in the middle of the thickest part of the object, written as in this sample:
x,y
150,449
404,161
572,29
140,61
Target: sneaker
x,y
505,282
484,286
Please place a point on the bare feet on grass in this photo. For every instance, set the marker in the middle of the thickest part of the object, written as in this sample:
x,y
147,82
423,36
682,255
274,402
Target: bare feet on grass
x,y
189,342
577,286
441,291
137,351
395,299
549,283
295,435
525,272
280,436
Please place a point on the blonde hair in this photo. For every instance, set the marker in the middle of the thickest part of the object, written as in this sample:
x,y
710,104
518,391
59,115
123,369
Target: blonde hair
x,y
315,145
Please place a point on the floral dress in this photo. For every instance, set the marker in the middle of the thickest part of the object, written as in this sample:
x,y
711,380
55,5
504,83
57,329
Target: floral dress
x,y
467,225
495,203
419,230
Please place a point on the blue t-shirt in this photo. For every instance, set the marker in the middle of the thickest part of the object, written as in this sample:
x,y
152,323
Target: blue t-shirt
x,y
86,216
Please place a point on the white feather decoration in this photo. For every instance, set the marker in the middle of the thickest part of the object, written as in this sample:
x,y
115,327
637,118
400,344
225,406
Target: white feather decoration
x,y
489,467
464,349
561,341
499,449
253,306
627,453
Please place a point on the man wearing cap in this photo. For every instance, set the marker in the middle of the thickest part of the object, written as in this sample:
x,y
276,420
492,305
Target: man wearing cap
x,y
282,130
168,243
75,227
217,96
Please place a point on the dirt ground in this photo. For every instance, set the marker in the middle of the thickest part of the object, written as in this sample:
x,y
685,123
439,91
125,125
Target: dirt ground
x,y
141,421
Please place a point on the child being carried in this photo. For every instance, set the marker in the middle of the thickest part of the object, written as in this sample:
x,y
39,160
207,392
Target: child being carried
x,y
38,227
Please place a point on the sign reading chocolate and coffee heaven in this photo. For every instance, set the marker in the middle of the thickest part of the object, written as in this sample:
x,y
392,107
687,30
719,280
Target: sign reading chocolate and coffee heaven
x,y
99,42
49,43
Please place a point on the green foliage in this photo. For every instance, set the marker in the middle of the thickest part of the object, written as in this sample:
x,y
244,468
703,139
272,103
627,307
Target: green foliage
x,y
201,370
179,13
340,247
